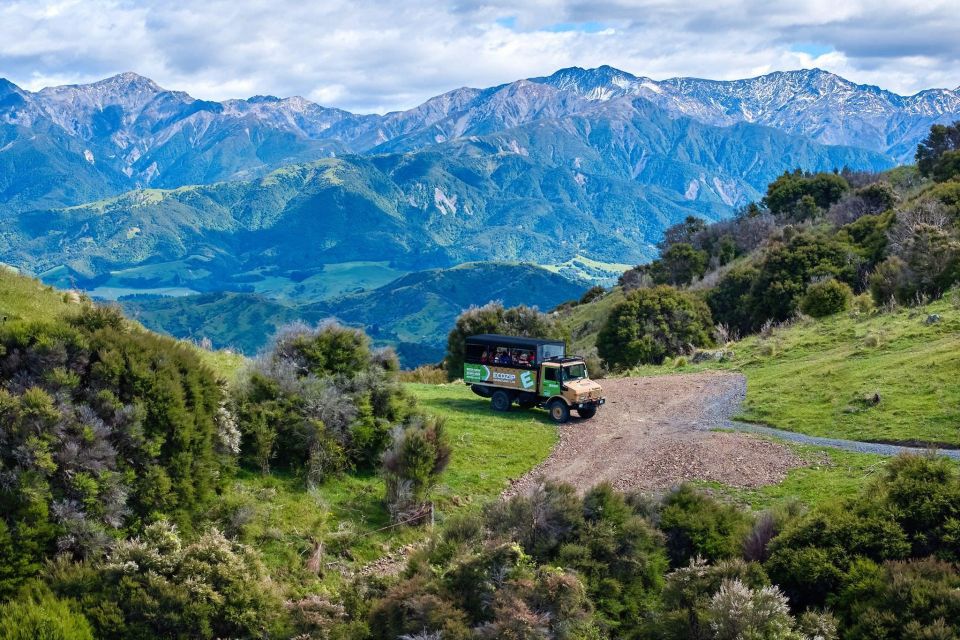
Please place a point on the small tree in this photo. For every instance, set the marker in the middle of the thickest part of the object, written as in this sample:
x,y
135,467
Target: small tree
x,y
939,147
418,455
651,324
679,265
826,298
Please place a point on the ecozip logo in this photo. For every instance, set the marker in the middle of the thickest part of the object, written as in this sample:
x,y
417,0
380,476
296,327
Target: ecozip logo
x,y
504,377
526,379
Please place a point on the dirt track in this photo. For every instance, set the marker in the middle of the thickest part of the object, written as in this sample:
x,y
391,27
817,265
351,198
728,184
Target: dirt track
x,y
654,433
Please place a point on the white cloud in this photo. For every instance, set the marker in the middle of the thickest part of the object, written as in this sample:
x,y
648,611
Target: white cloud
x,y
377,56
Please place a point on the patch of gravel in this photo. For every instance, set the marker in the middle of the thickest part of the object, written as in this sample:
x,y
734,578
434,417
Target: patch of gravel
x,y
657,432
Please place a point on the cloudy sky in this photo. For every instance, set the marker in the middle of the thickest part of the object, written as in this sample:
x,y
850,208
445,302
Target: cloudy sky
x,y
379,56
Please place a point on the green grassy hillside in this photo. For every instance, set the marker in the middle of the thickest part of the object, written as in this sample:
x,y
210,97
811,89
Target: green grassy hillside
x,y
819,376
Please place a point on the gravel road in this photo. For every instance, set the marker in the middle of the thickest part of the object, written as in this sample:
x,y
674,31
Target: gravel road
x,y
656,432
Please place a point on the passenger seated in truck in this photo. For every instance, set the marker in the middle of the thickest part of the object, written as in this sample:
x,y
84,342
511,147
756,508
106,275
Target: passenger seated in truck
x,y
485,358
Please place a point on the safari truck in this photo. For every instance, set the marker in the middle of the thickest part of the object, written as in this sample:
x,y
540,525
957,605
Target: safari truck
x,y
532,373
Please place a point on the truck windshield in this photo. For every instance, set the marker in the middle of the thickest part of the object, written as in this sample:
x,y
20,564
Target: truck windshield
x,y
575,372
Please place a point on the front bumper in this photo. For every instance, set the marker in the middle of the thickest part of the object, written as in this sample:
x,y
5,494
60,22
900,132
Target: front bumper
x,y
590,403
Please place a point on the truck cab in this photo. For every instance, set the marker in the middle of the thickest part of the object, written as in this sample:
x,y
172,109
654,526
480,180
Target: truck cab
x,y
530,372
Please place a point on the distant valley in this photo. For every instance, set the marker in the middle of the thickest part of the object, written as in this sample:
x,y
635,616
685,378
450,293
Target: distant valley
x,y
121,188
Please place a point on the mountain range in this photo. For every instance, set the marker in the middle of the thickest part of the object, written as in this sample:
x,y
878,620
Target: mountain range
x,y
121,186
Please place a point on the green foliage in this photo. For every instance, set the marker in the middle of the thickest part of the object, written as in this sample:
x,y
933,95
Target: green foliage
x,y
155,585
36,614
494,318
688,591
582,568
749,296
419,453
319,402
912,512
697,525
826,298
801,195
651,324
937,155
679,265
102,427
900,600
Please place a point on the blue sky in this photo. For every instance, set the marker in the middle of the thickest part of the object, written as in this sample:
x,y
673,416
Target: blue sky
x,y
378,56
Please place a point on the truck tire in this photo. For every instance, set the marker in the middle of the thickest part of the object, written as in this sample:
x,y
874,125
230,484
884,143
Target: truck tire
x,y
559,411
587,412
501,401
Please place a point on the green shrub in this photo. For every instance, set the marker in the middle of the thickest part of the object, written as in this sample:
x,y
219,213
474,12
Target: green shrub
x,y
801,194
890,281
36,614
688,591
103,428
826,298
679,265
417,456
651,324
697,525
808,560
319,401
900,600
157,586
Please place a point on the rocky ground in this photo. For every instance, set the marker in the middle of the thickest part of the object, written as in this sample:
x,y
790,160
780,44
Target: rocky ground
x,y
656,432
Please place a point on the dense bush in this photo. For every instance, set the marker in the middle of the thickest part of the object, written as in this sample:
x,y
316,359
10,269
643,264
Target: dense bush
x,y
102,429
826,298
547,565
900,600
698,526
801,195
679,265
651,324
493,318
747,297
157,586
319,401
36,614
911,512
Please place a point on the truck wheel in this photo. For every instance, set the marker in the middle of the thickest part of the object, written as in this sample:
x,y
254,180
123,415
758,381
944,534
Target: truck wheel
x,y
559,411
501,401
587,412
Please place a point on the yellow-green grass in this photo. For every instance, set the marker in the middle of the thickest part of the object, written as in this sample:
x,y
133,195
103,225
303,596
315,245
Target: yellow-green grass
x,y
817,376
347,513
23,298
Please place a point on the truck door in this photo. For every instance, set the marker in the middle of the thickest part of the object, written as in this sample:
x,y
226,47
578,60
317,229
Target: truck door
x,y
550,381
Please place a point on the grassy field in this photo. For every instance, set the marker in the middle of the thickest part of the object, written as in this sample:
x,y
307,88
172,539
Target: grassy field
x,y
831,473
286,521
23,298
820,377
